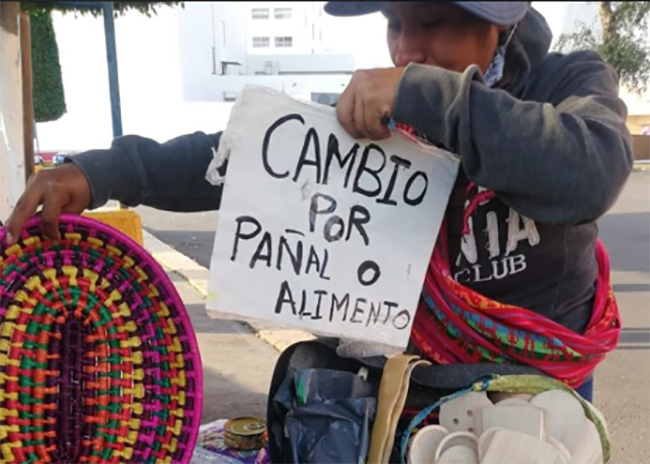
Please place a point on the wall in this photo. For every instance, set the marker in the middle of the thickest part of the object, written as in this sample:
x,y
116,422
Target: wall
x,y
638,123
229,31
637,105
299,26
298,86
326,63
193,46
12,164
196,35
641,147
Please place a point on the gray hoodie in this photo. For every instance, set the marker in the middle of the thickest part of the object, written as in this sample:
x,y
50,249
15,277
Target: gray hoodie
x,y
551,141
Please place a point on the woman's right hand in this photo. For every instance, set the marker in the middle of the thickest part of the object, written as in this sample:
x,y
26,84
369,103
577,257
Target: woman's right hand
x,y
60,190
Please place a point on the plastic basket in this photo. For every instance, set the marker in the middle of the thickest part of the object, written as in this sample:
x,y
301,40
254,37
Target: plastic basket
x,y
530,384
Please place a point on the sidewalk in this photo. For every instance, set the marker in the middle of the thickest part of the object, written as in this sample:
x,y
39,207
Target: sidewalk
x,y
237,365
197,276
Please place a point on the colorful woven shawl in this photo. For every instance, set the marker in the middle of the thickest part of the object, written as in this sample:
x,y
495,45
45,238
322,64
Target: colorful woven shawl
x,y
455,324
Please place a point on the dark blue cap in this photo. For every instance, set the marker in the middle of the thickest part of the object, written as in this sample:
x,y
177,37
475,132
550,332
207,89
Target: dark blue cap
x,y
498,13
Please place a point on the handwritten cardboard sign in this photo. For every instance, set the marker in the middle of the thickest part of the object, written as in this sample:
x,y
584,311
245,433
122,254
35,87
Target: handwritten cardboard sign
x,y
321,231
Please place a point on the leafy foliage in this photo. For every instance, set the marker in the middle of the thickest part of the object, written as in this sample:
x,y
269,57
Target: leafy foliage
x,y
146,8
48,94
621,38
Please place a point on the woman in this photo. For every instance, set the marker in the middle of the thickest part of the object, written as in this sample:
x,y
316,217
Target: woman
x,y
518,274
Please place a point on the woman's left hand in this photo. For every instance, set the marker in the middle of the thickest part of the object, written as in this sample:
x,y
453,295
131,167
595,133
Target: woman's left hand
x,y
368,101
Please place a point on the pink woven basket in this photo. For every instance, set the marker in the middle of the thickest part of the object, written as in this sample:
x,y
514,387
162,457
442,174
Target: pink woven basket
x,y
98,358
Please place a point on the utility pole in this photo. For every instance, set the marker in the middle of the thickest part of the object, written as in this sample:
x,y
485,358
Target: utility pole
x,y
113,79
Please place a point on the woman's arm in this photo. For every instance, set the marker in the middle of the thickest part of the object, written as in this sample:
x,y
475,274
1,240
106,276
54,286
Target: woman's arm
x,y
561,162
139,171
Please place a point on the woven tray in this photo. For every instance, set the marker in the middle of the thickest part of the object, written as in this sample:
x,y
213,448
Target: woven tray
x,y
98,358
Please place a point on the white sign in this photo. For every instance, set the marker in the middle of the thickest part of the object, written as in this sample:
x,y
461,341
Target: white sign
x,y
321,231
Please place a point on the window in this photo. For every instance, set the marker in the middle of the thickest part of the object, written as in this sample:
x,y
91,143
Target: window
x,y
283,13
284,42
261,13
325,98
230,96
261,42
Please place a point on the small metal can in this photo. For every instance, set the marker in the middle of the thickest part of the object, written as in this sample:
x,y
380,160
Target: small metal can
x,y
246,434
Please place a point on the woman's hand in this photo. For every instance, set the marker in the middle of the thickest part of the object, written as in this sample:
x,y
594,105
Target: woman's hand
x,y
63,189
367,103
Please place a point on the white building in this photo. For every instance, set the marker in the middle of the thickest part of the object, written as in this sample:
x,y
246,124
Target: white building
x,y
289,46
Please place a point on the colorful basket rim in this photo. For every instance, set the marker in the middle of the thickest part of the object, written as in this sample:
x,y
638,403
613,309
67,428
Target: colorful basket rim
x,y
158,272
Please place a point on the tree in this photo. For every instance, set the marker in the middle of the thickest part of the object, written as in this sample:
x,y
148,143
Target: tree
x,y
621,38
47,86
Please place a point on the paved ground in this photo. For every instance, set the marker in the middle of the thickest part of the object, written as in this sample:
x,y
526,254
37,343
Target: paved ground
x,y
239,365
623,380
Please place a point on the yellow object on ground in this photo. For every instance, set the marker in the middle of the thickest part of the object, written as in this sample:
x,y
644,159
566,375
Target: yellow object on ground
x,y
126,221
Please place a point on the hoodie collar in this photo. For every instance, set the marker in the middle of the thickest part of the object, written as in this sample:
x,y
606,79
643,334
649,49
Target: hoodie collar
x,y
527,51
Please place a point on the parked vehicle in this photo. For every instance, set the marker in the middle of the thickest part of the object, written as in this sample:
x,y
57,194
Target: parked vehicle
x,y
52,158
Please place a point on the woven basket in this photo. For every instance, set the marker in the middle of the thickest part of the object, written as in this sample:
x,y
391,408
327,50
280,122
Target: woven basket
x,y
98,358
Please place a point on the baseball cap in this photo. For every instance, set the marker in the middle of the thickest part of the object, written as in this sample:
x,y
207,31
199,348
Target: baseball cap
x,y
498,13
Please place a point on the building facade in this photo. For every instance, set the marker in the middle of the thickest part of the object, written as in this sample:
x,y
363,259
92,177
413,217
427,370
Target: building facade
x,y
290,46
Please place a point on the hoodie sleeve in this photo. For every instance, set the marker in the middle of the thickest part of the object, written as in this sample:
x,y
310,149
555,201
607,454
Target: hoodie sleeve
x,y
140,171
562,158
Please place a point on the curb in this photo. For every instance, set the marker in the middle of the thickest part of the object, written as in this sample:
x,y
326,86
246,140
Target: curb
x,y
641,165
197,276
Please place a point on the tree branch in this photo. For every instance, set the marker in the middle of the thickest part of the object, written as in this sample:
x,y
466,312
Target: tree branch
x,y
606,19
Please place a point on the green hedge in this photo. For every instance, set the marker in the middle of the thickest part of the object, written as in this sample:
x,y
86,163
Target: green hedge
x,y
49,96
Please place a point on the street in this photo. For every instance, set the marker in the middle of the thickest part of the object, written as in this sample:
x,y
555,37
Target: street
x,y
622,389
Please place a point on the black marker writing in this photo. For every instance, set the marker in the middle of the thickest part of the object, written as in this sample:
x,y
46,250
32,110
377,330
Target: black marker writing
x,y
335,227
358,310
311,141
267,143
346,308
368,273
374,174
342,304
397,162
285,297
334,152
240,234
287,252
409,185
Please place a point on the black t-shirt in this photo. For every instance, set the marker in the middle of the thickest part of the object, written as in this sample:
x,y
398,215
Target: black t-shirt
x,y
551,270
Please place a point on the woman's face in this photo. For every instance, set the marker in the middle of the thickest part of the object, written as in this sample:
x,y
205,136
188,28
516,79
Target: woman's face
x,y
439,34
